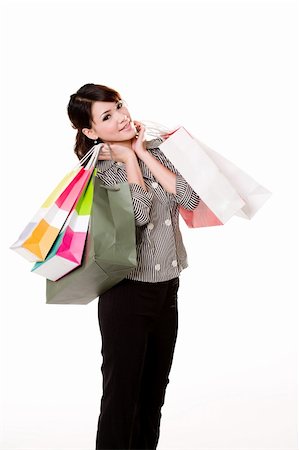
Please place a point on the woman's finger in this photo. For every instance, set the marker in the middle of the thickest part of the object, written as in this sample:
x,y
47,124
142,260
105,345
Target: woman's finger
x,y
138,125
141,132
104,150
104,154
102,157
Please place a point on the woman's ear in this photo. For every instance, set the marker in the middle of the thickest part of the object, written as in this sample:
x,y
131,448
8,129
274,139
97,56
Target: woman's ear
x,y
89,133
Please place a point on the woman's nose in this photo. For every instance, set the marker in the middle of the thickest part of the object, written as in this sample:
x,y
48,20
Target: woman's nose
x,y
122,117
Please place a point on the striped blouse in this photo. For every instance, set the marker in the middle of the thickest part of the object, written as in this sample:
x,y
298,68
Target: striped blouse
x,y
161,254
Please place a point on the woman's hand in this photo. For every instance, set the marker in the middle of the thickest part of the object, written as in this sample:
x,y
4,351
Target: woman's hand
x,y
118,153
138,143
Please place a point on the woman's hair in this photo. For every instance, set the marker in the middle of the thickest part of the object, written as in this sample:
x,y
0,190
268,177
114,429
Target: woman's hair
x,y
79,112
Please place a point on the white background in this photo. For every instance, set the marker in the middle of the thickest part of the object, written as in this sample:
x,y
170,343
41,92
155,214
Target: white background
x,y
227,71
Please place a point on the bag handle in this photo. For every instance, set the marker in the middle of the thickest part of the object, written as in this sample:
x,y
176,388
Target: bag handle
x,y
92,155
155,129
115,187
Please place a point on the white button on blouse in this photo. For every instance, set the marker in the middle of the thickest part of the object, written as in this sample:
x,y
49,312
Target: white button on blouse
x,y
150,226
168,222
157,267
174,263
154,184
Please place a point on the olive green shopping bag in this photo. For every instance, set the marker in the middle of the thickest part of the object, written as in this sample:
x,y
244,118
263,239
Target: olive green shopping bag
x,y
110,249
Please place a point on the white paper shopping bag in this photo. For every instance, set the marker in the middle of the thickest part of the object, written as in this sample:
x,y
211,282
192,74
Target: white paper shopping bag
x,y
253,194
203,175
225,190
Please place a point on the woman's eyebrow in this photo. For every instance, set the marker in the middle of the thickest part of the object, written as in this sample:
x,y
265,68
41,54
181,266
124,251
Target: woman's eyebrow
x,y
105,112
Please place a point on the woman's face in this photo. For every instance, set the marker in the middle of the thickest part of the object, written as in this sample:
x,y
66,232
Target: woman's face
x,y
111,121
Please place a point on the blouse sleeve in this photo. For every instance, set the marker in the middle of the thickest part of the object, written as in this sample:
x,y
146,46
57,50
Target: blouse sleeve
x,y
185,195
142,202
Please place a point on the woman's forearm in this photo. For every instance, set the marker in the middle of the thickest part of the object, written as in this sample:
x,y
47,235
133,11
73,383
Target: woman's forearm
x,y
134,174
164,175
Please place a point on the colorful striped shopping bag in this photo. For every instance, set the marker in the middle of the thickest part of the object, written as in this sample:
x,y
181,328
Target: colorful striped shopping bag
x,y
66,252
39,235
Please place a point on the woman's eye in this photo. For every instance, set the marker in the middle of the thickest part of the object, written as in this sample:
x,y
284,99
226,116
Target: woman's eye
x,y
118,106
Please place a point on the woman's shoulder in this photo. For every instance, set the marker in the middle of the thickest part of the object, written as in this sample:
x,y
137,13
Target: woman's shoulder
x,y
110,172
153,143
153,147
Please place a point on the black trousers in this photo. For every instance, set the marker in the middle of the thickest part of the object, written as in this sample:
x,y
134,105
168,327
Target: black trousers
x,y
138,323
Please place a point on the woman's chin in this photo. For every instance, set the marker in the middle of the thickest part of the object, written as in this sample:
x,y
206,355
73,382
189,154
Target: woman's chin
x,y
128,136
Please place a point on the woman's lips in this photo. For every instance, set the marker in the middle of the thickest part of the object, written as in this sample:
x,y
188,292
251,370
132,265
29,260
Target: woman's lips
x,y
127,127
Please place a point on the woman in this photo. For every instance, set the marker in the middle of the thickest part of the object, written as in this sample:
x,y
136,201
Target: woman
x,y
138,317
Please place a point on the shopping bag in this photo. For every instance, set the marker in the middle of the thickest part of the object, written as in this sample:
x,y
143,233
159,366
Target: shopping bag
x,y
67,250
224,189
110,249
39,235
252,193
